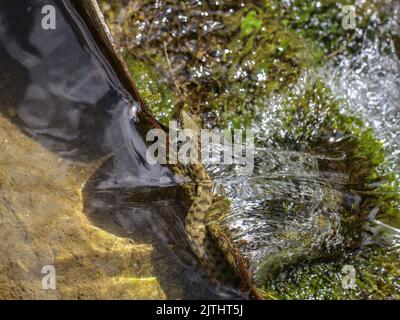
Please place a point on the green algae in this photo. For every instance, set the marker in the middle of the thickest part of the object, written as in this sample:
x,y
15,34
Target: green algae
x,y
254,51
258,64
321,21
228,70
250,23
376,277
314,121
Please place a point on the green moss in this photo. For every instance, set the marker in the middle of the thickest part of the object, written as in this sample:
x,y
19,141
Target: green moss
x,y
385,196
376,273
254,51
321,21
317,122
250,23
229,70
156,94
312,121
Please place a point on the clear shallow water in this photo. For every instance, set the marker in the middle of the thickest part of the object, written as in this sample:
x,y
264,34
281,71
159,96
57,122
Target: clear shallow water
x,y
370,84
288,210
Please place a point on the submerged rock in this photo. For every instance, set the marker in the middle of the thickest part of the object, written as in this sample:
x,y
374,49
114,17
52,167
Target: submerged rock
x,y
375,270
43,223
320,170
312,187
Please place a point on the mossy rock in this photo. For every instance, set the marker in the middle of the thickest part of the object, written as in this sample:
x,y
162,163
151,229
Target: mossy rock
x,y
376,277
201,56
227,62
347,176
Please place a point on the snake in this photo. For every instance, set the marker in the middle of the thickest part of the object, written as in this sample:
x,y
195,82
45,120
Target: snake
x,y
195,221
217,256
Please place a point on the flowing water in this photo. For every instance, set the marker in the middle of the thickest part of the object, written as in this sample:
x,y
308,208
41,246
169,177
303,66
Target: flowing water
x,y
291,210
59,90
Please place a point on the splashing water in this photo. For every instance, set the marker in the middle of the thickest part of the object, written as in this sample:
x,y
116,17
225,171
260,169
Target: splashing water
x,y
370,83
289,209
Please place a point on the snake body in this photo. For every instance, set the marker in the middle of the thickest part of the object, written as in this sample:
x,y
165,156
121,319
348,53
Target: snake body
x,y
199,219
195,222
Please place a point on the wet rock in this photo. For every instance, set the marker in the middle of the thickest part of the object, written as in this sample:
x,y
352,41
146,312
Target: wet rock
x,y
42,223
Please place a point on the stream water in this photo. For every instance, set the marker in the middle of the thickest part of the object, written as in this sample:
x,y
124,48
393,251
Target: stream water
x,y
290,210
57,87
